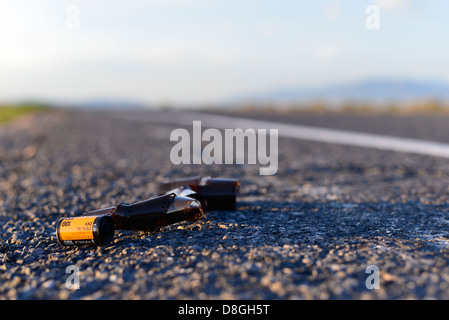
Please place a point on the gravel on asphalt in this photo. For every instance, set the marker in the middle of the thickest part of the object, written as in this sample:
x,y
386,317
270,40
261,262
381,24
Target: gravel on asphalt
x,y
308,232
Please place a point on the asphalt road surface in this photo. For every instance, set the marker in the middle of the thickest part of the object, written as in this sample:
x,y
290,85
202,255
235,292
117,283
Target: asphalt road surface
x,y
320,228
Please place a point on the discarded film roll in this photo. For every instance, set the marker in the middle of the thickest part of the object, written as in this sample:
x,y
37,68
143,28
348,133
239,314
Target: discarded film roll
x,y
214,193
97,230
186,191
152,214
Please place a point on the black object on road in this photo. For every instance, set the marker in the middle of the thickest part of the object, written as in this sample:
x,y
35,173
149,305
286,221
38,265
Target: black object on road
x,y
186,191
213,193
184,200
152,214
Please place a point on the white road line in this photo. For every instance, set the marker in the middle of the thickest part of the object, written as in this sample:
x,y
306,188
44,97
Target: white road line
x,y
342,137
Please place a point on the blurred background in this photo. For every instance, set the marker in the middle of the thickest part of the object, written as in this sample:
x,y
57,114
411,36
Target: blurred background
x,y
213,53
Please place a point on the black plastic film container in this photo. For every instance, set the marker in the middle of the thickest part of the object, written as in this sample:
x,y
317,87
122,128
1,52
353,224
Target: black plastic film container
x,y
214,193
152,214
94,230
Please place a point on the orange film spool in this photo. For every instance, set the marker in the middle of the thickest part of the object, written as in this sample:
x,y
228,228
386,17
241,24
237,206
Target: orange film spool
x,y
85,230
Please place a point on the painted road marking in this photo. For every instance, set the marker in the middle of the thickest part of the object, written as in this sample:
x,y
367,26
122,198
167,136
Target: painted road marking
x,y
342,137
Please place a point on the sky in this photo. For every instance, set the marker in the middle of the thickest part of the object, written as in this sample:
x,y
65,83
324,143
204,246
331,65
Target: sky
x,y
199,52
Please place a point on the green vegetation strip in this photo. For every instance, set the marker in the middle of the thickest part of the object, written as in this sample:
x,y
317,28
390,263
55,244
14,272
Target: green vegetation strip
x,y
8,113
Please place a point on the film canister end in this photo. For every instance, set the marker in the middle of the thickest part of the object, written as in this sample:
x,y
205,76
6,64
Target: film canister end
x,y
94,230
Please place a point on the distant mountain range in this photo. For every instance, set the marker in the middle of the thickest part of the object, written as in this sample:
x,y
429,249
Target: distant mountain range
x,y
373,91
